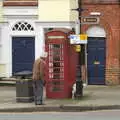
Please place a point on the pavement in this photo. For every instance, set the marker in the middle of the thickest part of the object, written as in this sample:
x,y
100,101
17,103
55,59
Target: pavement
x,y
94,98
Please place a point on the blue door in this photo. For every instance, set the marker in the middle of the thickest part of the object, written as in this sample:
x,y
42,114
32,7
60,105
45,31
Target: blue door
x,y
23,53
96,60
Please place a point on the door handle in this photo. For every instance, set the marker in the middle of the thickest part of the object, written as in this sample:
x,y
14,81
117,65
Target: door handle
x,y
96,62
13,51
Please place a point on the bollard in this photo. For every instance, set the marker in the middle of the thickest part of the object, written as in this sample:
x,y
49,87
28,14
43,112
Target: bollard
x,y
79,89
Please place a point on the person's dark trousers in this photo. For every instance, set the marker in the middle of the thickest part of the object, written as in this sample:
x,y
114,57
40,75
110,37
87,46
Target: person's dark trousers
x,y
38,91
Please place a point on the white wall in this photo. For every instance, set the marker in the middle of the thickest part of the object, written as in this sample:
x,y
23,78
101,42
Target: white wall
x,y
1,18
5,49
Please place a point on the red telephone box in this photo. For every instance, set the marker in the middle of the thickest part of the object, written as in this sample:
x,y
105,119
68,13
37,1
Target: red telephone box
x,y
60,63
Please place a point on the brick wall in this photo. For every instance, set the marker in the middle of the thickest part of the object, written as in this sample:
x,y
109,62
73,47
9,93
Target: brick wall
x,y
101,1
110,21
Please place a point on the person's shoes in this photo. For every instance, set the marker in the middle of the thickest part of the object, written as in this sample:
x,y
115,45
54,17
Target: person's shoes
x,y
39,104
42,104
36,103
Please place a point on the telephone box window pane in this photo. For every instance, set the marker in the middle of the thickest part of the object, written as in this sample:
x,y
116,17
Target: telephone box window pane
x,y
57,86
50,58
56,70
50,64
50,70
56,46
56,58
56,61
50,75
56,89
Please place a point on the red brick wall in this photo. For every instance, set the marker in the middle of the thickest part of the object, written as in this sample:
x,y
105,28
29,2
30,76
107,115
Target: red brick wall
x,y
110,21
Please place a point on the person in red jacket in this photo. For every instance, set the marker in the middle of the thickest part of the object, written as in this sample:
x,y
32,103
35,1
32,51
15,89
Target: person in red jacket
x,y
38,79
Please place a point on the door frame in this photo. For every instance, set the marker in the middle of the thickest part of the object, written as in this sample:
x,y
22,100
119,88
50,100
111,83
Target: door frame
x,y
10,47
100,32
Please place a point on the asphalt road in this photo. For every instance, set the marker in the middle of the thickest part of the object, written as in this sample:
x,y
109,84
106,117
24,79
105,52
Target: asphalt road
x,y
94,115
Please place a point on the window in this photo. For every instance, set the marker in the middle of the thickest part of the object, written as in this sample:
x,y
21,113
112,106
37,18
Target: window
x,y
22,26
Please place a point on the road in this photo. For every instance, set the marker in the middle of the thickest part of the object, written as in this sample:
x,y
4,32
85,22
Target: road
x,y
94,115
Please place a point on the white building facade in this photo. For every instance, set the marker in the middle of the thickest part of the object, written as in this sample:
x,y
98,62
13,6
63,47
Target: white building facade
x,y
22,31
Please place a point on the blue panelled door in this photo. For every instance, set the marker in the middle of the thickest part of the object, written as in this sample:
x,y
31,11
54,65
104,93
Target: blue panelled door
x,y
96,60
23,53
